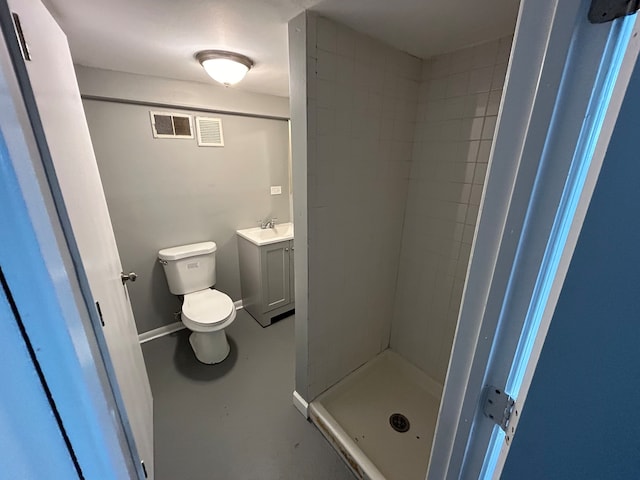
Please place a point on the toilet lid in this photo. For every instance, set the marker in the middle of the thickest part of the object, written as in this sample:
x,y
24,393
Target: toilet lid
x,y
207,307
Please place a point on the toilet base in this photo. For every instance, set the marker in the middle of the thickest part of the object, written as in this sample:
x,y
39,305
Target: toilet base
x,y
210,347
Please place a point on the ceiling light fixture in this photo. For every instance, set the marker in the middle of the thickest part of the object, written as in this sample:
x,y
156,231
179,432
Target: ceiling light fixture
x,y
228,68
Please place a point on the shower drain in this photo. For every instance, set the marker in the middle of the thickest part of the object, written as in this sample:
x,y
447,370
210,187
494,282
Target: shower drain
x,y
399,422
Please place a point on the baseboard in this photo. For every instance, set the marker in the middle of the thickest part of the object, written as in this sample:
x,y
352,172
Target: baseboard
x,y
172,327
160,332
301,404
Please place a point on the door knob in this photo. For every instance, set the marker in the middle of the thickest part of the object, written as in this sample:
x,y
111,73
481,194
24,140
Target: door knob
x,y
128,276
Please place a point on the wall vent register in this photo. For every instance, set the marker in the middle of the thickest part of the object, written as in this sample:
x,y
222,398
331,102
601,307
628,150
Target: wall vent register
x,y
209,132
171,125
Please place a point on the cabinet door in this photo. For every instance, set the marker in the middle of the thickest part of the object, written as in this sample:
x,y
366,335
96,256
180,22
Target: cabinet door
x,y
292,283
275,276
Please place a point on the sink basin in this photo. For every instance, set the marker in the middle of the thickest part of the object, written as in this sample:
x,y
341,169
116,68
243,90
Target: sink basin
x,y
259,236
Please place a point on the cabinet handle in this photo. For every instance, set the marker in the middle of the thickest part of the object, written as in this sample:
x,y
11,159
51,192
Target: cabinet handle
x,y
286,249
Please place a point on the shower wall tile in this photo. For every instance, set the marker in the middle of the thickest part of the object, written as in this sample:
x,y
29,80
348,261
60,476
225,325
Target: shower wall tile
x,y
459,97
361,123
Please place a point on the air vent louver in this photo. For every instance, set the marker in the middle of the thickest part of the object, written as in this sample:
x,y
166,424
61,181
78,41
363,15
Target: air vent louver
x,y
171,125
209,132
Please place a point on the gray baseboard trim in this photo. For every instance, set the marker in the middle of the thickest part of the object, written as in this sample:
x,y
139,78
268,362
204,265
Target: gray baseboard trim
x,y
301,404
172,327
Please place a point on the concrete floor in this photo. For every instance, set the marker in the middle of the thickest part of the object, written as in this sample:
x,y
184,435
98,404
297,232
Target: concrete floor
x,y
234,420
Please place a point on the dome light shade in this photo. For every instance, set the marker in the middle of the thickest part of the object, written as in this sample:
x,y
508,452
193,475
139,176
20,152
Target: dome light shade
x,y
227,68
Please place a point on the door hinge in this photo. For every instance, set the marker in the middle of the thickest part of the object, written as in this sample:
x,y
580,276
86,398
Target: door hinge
x,y
602,11
500,407
144,469
17,26
100,313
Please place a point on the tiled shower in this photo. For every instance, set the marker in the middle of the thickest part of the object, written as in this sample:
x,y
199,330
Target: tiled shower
x,y
396,155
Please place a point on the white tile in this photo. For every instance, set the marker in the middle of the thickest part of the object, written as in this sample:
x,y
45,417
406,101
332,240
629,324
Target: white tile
x,y
475,128
476,104
363,75
480,80
427,66
377,81
411,67
441,66
476,194
451,129
472,215
390,84
467,236
326,121
494,102
401,151
457,84
470,150
326,93
437,89
462,60
465,193
458,232
374,103
485,54
489,127
366,50
470,172
344,70
312,87
360,100
504,49
327,65
345,42
454,107
343,97
326,34
403,131
480,173
498,78
423,91
435,110
484,151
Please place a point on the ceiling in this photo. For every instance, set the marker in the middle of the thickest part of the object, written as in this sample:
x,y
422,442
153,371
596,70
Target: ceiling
x,y
160,37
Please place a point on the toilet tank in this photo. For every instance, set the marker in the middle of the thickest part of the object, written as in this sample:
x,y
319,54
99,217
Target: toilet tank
x,y
189,268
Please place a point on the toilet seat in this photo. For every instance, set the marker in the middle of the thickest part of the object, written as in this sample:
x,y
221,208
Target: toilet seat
x,y
207,310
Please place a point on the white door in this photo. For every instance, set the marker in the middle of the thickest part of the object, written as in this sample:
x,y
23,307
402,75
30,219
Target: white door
x,y
54,85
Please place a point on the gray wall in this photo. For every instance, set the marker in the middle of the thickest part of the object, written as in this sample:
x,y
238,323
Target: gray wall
x,y
361,106
166,192
459,97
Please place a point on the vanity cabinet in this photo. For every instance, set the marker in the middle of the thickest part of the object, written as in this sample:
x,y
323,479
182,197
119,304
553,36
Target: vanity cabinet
x,y
266,279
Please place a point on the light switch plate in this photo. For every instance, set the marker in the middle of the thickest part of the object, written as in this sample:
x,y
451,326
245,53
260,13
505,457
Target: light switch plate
x,y
276,190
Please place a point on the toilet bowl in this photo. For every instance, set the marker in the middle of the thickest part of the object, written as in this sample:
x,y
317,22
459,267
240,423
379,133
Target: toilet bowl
x,y
191,271
207,313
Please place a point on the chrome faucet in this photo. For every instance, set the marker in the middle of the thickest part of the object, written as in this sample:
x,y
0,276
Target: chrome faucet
x,y
264,224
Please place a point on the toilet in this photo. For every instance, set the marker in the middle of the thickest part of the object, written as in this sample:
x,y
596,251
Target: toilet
x,y
191,271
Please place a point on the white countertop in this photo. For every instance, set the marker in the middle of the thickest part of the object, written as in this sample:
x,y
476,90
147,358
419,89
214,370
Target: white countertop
x,y
265,236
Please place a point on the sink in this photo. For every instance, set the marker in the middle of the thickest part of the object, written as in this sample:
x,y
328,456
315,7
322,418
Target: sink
x,y
264,236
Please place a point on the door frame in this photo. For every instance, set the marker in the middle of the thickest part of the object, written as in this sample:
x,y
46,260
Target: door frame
x,y
565,84
38,254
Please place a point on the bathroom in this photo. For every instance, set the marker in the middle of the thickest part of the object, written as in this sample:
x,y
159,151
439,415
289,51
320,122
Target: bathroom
x,y
362,186
166,192
437,189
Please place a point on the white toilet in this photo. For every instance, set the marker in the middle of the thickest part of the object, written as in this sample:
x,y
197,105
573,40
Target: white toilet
x,y
191,271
